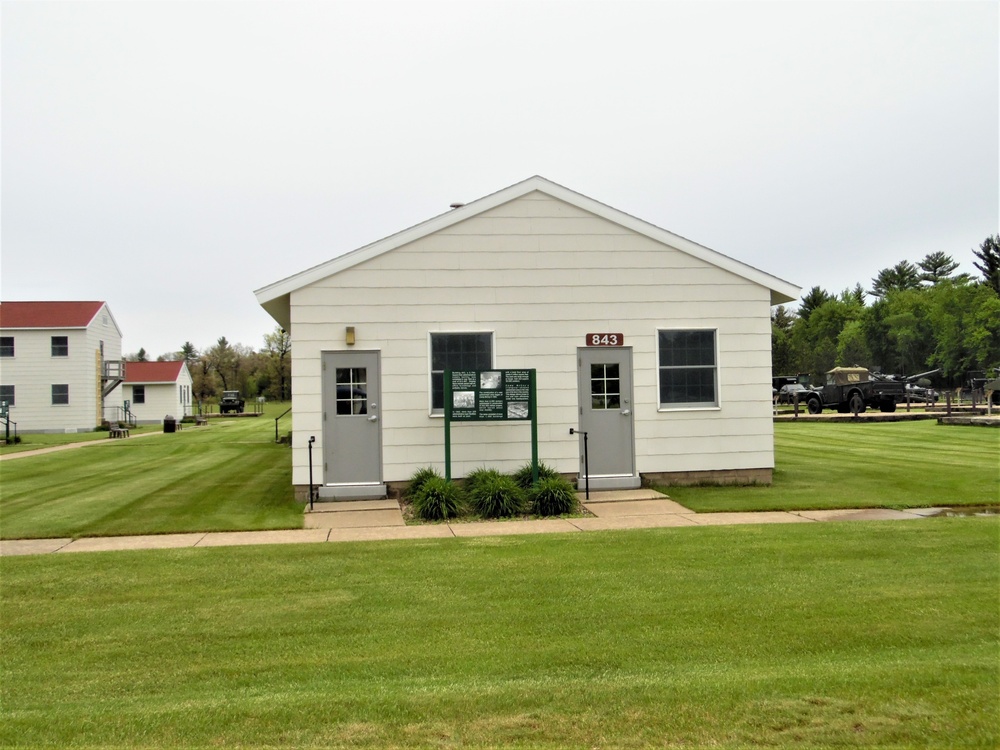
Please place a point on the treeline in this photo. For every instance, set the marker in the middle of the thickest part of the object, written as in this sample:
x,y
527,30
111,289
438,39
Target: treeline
x,y
915,318
235,367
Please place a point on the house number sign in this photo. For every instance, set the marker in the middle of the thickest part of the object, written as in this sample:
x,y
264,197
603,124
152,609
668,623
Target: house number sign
x,y
605,339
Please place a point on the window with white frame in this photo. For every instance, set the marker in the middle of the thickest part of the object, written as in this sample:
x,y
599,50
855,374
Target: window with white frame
x,y
60,394
457,351
688,368
60,346
6,346
7,394
138,394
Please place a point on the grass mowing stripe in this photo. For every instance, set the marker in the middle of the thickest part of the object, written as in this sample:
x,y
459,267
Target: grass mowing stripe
x,y
811,635
845,465
227,476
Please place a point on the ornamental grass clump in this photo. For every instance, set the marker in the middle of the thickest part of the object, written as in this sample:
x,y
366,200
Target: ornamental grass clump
x,y
437,499
478,477
523,475
497,497
553,496
417,480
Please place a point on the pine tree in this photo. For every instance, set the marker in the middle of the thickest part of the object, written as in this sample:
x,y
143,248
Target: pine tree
x,y
936,267
989,254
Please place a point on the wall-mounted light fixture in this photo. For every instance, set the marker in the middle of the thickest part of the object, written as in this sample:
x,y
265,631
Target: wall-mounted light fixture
x,y
349,336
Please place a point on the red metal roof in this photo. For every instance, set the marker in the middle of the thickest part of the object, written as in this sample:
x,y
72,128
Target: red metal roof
x,y
153,372
47,314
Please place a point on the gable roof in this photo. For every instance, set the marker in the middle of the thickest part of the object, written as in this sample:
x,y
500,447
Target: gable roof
x,y
153,372
275,298
48,314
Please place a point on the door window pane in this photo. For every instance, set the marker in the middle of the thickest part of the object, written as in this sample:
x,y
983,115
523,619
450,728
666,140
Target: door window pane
x,y
352,390
605,386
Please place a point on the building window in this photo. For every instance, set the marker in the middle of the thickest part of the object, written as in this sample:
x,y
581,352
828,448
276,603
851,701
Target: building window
x,y
60,394
457,351
138,394
688,370
60,346
6,346
7,394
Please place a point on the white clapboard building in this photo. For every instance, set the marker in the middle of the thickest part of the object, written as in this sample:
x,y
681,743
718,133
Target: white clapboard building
x,y
655,346
60,363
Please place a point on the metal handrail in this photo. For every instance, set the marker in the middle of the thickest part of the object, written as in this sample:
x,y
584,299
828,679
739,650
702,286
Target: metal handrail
x,y
276,422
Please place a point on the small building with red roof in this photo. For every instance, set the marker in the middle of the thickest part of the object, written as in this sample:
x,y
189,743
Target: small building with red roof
x,y
60,364
154,390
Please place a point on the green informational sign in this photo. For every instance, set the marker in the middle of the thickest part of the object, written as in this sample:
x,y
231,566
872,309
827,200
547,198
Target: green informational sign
x,y
489,395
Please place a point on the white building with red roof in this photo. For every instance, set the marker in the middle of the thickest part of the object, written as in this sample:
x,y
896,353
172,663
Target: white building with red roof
x,y
155,390
60,364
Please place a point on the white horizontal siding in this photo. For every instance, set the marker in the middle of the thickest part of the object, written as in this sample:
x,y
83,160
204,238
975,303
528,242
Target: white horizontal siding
x,y
33,370
539,275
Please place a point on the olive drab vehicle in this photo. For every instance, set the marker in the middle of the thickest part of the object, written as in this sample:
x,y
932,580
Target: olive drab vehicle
x,y
851,390
231,401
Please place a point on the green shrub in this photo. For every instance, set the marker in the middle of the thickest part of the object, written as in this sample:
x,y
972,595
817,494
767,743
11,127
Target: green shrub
x,y
420,476
437,499
553,496
523,475
497,496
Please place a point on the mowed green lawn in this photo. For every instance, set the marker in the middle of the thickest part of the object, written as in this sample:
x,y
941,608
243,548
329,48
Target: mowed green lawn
x,y
867,465
230,475
227,475
814,635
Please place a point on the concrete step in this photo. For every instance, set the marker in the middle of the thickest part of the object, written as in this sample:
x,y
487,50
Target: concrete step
x,y
350,506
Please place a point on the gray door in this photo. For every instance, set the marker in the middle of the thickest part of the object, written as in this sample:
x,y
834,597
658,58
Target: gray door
x,y
352,437
605,394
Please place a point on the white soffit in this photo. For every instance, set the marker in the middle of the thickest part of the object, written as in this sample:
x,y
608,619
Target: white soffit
x,y
275,297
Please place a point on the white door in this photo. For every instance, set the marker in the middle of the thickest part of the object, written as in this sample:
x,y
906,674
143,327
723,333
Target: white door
x,y
605,398
352,428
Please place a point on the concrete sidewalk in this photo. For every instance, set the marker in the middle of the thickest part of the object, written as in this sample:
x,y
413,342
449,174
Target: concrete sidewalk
x,y
375,520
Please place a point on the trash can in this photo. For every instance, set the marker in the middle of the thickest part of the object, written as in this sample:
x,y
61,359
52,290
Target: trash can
x,y
169,424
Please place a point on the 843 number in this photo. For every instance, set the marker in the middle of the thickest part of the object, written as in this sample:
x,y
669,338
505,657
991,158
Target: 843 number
x,y
605,339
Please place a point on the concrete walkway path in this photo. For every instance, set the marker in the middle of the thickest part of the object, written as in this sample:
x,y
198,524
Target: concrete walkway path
x,y
374,520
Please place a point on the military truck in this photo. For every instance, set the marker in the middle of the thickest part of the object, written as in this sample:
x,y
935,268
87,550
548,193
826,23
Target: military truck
x,y
854,389
231,401
981,383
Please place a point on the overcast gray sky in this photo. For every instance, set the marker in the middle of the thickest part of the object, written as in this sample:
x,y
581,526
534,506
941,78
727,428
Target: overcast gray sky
x,y
171,157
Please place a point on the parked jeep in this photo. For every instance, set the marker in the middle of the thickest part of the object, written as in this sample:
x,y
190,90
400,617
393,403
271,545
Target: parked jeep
x,y
231,401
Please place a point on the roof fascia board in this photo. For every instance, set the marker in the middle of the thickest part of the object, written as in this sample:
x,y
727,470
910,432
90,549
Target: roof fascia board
x,y
46,328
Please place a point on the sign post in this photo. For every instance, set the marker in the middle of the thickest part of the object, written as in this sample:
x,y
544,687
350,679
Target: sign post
x,y
490,396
